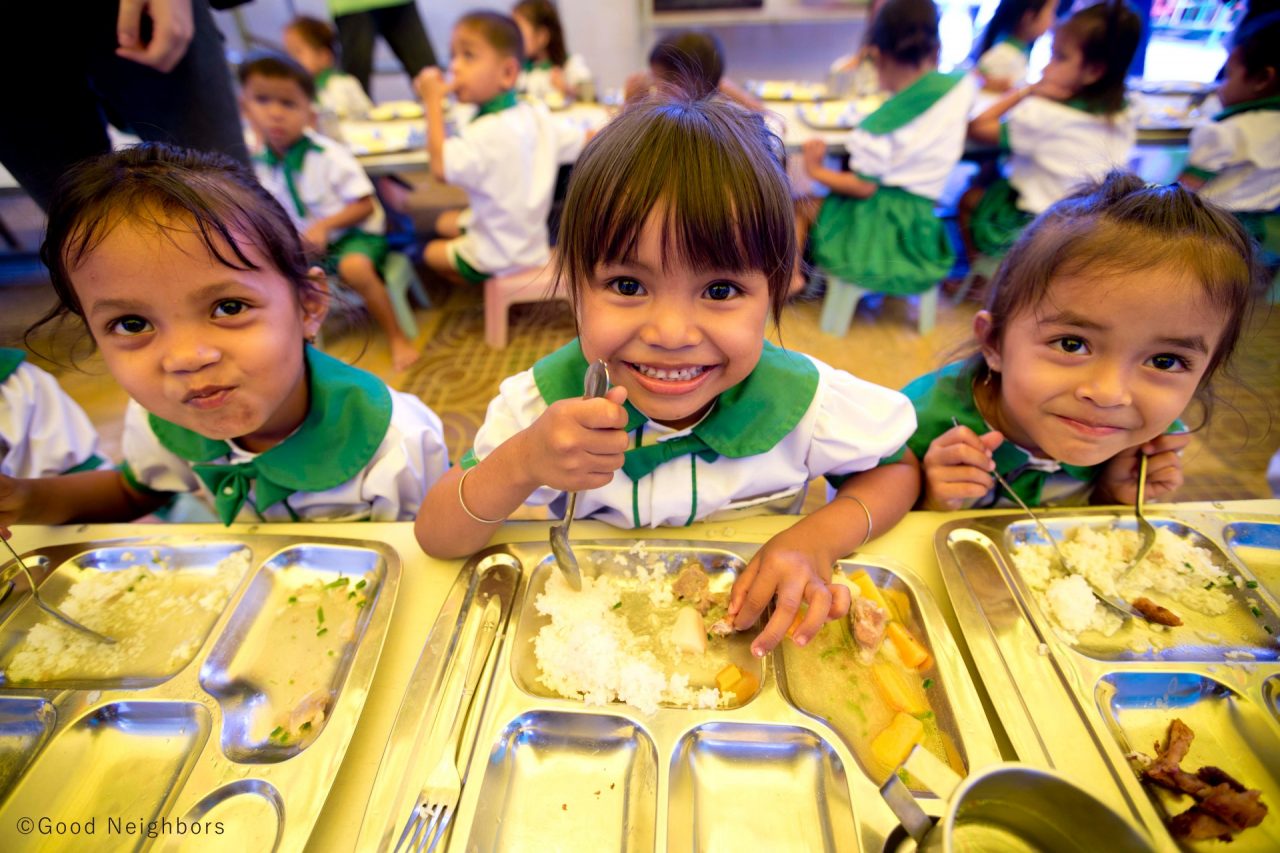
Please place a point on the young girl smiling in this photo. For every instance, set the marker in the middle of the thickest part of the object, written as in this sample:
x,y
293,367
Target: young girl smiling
x,y
677,247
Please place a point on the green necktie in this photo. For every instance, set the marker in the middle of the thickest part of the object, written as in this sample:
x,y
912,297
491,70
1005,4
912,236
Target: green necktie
x,y
230,485
291,160
640,461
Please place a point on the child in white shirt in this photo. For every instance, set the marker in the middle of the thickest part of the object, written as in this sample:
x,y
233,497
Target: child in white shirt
x,y
43,432
551,74
313,44
1000,55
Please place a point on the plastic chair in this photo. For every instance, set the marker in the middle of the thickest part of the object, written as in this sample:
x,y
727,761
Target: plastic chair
x,y
842,298
981,265
535,284
402,281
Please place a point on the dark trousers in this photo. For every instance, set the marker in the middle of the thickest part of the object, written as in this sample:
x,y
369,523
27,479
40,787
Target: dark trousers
x,y
399,25
65,82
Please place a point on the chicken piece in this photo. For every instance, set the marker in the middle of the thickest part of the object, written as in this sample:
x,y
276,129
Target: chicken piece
x,y
1195,825
1237,809
722,627
693,586
1153,612
868,621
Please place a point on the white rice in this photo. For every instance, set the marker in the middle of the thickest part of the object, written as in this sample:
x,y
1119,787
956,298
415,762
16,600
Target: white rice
x,y
158,617
1175,568
601,652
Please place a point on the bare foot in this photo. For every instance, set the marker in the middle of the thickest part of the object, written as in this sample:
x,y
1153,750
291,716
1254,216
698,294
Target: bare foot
x,y
403,355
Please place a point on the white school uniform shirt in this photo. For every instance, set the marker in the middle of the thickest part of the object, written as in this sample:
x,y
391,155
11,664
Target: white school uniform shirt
x,y
43,432
368,453
1007,59
1238,154
506,160
1056,147
793,419
342,95
536,82
330,179
920,155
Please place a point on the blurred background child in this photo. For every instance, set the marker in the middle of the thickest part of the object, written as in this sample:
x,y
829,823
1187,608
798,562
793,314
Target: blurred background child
x,y
506,158
313,44
1235,158
877,228
1072,126
691,62
1110,315
43,432
192,282
1000,54
548,65
325,191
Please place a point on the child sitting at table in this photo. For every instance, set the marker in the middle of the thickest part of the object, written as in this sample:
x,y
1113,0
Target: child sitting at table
x,y
1112,312
550,72
1000,55
676,248
192,282
318,181
1235,158
43,432
877,228
506,158
1073,125
313,44
690,61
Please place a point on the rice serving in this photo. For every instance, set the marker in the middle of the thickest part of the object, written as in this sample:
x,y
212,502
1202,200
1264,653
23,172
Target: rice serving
x,y
1098,556
158,617
608,642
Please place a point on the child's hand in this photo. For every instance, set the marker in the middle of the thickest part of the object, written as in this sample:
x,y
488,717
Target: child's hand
x,y
957,468
431,85
578,444
14,495
558,80
1118,482
790,570
815,152
316,237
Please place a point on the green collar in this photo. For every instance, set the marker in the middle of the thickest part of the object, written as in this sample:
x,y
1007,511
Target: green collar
x,y
505,101
323,77
1085,107
9,361
910,103
346,421
748,419
1014,41
1272,103
291,160
544,65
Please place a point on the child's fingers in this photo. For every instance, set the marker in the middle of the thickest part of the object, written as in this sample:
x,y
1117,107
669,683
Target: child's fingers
x,y
955,455
956,475
1169,441
818,596
600,413
790,593
841,600
741,584
757,596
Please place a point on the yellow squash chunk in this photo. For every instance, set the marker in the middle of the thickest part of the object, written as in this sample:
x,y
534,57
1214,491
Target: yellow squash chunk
x,y
869,590
728,677
745,687
896,688
892,745
912,653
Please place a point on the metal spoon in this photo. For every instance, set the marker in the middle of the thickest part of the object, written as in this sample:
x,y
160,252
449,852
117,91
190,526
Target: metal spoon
x,y
1145,529
595,384
50,609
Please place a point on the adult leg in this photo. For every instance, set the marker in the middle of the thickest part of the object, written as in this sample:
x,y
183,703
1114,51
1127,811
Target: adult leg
x,y
194,105
355,38
359,273
404,31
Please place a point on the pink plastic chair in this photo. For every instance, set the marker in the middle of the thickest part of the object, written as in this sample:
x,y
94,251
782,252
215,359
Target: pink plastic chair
x,y
535,284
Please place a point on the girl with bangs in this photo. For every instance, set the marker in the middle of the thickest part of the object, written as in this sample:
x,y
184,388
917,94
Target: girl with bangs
x,y
677,247
1110,315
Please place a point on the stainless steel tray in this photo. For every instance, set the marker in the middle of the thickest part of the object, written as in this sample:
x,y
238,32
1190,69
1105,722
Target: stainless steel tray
x,y
1080,707
225,708
775,772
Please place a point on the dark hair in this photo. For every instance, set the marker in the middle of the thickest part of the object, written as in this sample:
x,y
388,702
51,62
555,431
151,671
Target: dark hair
x,y
692,59
498,30
211,194
277,66
1108,35
906,31
1123,225
1004,21
712,168
318,34
542,13
1259,44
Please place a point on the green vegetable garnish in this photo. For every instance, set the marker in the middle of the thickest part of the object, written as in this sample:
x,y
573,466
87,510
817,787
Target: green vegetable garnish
x,y
306,727
1251,584
361,583
335,584
277,732
928,682
1209,585
616,606
361,603
351,595
293,599
322,632
320,615
1255,611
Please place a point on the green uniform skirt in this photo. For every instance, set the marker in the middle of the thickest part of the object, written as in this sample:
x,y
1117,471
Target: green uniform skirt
x,y
890,243
1264,227
997,221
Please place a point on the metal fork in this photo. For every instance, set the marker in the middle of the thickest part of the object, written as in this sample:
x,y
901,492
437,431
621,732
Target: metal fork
x,y
438,798
49,608
1145,528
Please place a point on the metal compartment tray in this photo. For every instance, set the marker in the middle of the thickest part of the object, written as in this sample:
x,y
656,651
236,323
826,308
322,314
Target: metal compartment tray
x,y
1081,704
773,771
223,710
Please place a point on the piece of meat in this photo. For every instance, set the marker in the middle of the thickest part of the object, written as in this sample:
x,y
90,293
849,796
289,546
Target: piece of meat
x,y
1165,769
693,585
1195,825
1153,612
1237,809
722,627
868,621
1217,776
